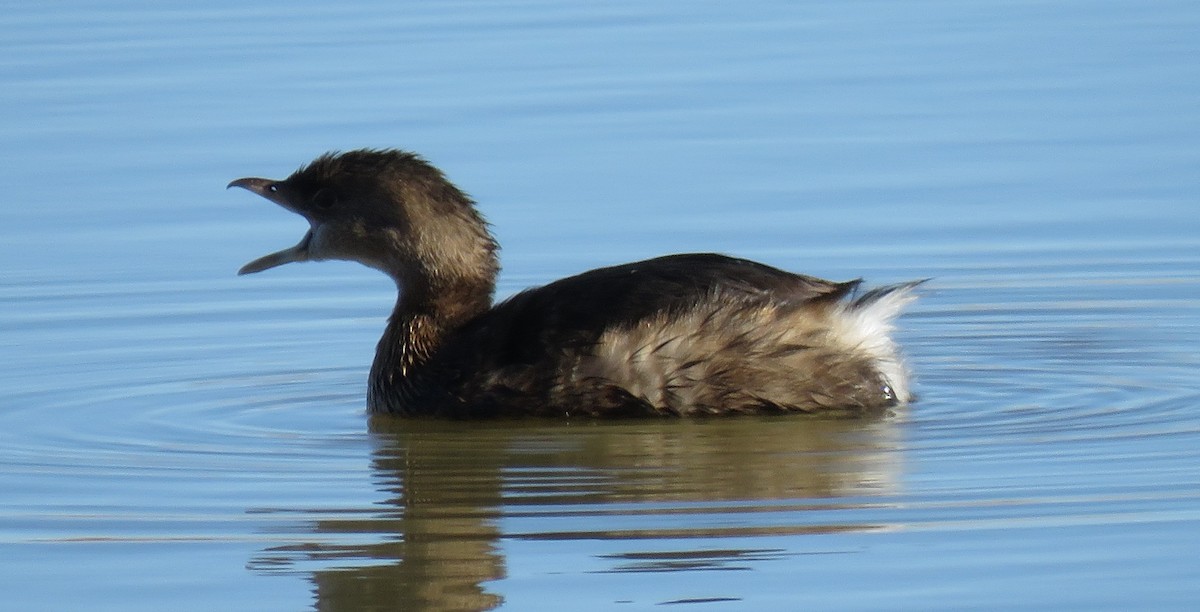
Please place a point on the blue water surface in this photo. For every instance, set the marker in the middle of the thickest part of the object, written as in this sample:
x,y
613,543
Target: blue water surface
x,y
175,437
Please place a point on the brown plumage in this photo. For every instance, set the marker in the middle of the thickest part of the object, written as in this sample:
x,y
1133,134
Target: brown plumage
x,y
676,335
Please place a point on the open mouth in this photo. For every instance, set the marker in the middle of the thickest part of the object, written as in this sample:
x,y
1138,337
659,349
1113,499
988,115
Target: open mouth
x,y
268,189
299,252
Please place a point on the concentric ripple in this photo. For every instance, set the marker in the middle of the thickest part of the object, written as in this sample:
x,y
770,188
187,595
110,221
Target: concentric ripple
x,y
1038,414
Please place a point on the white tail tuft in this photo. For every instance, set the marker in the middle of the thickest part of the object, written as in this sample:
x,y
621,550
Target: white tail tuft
x,y
866,324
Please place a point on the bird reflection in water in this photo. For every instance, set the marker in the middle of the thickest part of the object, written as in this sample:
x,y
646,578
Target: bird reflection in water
x,y
452,493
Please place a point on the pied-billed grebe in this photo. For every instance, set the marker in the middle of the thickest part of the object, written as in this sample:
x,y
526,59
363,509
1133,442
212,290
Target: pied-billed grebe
x,y
678,335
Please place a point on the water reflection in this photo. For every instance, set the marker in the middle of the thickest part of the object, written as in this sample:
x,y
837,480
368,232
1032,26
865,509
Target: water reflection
x,y
453,493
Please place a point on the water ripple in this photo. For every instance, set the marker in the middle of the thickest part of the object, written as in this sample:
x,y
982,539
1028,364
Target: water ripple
x,y
1035,414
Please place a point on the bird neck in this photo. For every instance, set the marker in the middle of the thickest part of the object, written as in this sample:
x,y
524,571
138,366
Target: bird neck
x,y
424,315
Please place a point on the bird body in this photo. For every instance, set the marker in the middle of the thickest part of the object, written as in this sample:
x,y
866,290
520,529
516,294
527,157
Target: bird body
x,y
690,334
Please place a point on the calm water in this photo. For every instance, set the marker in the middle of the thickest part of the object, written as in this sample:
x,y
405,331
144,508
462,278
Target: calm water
x,y
172,436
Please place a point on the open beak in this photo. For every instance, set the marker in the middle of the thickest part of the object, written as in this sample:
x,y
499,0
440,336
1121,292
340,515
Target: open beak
x,y
278,258
268,189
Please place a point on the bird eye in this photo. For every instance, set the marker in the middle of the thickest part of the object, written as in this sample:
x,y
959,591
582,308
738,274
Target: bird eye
x,y
324,199
273,188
